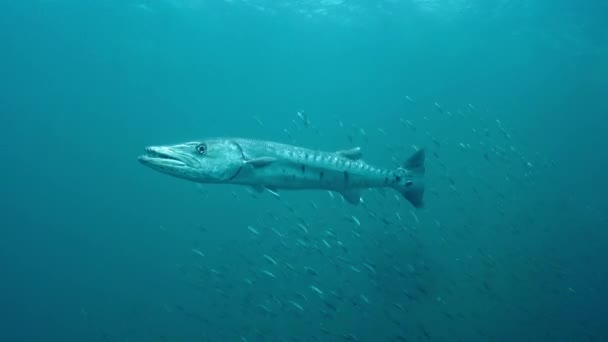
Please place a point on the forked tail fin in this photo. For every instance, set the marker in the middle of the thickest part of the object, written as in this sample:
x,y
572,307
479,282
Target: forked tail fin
x,y
411,179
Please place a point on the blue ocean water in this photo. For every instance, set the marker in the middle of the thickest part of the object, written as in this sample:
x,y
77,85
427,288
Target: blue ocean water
x,y
508,97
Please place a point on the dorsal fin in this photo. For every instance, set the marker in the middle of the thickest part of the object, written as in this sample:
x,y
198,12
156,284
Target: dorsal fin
x,y
353,154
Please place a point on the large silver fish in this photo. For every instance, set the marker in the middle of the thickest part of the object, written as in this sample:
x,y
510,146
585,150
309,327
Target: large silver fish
x,y
273,166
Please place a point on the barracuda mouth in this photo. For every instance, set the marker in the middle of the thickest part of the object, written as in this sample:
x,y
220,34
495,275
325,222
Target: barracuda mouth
x,y
161,157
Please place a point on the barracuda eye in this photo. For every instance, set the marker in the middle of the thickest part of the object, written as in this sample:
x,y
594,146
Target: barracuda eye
x,y
201,148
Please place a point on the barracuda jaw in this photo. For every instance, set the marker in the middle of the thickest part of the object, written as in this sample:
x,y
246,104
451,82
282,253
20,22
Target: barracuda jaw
x,y
210,161
160,156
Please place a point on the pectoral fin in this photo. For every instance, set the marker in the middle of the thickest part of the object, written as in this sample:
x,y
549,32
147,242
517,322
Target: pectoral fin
x,y
261,188
353,153
352,196
258,188
261,162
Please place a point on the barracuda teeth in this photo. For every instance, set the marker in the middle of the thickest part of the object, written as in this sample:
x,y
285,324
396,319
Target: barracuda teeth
x,y
155,154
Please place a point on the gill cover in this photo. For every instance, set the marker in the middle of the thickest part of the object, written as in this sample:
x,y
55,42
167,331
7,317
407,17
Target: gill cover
x,y
218,160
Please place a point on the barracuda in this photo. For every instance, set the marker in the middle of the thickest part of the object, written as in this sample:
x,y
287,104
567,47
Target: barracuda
x,y
270,165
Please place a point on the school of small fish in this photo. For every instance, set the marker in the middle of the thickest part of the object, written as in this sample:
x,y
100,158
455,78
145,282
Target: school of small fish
x,y
305,266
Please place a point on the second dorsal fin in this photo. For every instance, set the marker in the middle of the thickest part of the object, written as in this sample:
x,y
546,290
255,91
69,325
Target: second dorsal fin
x,y
353,154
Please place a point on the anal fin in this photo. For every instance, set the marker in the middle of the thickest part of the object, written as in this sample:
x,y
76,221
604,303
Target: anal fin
x,y
352,196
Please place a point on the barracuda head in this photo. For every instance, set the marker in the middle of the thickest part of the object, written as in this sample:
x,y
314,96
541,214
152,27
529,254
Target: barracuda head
x,y
210,161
